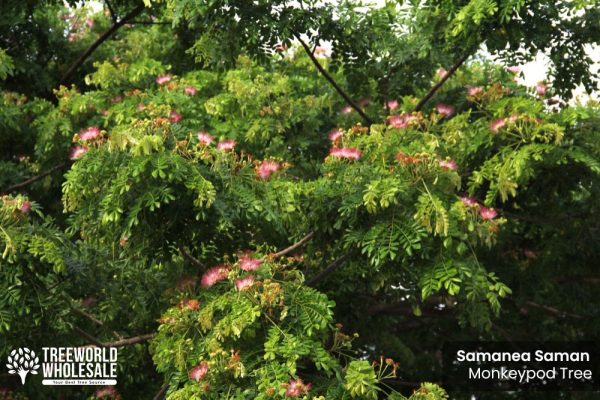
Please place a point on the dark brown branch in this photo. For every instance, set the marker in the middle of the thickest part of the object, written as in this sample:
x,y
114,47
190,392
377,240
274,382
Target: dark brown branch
x,y
111,10
87,336
117,343
161,393
191,258
34,178
438,85
552,310
328,270
333,83
590,279
132,14
88,316
293,247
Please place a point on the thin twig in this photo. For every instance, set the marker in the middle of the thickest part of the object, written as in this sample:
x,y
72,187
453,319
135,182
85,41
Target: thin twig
x,y
191,258
111,10
33,179
328,270
552,310
117,343
88,316
89,337
161,393
438,85
132,14
293,247
330,79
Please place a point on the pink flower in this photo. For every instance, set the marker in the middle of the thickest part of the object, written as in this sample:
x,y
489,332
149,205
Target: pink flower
x,y
199,371
400,121
335,134
346,110
214,275
514,69
226,145
162,79
205,138
513,118
89,22
90,133
441,72
444,109
26,207
345,152
474,91
296,388
77,152
391,104
244,283
175,117
321,51
190,90
266,168
365,101
189,304
469,201
117,99
488,213
540,89
530,253
448,164
249,264
106,391
141,107
497,124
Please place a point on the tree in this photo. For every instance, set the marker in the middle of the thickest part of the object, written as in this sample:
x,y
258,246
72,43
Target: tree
x,y
245,216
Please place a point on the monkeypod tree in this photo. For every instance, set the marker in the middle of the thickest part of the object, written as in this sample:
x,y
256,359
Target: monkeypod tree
x,y
244,221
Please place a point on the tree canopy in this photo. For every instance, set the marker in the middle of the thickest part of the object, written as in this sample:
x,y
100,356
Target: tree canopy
x,y
267,200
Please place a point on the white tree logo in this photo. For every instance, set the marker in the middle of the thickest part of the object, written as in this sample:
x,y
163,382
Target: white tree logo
x,y
23,361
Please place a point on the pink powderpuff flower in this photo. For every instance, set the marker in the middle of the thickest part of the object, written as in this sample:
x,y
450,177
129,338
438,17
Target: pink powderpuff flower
x,y
350,153
266,168
448,164
89,23
190,90
175,117
141,107
530,253
214,275
514,69
77,152
444,109
296,387
400,121
391,104
205,138
25,208
117,99
497,124
441,72
346,110
107,392
488,213
90,133
249,264
513,118
469,201
474,91
322,51
162,79
335,134
244,283
199,371
540,89
226,145
365,101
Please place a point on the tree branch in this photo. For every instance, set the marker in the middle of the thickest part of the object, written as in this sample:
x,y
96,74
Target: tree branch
x,y
87,336
33,179
191,258
161,393
438,85
328,270
117,343
332,81
552,310
88,316
132,14
111,10
293,247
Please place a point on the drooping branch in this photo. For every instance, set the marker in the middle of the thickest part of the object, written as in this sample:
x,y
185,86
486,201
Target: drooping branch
x,y
34,178
132,14
438,85
117,343
553,310
328,270
332,81
95,341
161,393
88,316
191,258
293,247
